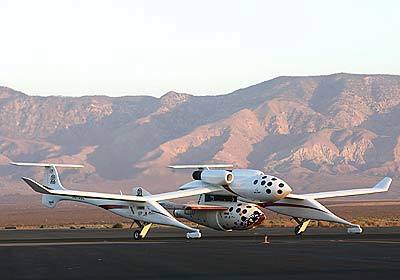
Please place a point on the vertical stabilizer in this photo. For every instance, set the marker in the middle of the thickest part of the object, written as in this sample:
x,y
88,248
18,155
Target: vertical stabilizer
x,y
51,178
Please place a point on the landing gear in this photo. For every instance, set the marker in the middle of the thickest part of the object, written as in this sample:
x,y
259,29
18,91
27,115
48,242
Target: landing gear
x,y
144,229
136,235
297,230
356,229
302,226
193,235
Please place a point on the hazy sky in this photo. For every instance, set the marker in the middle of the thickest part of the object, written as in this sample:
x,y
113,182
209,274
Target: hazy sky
x,y
199,47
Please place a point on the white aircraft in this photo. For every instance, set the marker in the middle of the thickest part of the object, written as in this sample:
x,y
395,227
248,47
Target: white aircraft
x,y
228,199
144,209
244,192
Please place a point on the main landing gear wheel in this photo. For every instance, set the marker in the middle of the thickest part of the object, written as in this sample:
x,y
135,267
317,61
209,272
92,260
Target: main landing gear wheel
x,y
302,226
136,235
193,235
144,229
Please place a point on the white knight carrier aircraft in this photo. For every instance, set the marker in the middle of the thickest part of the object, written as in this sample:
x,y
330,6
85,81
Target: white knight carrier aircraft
x,y
244,192
227,200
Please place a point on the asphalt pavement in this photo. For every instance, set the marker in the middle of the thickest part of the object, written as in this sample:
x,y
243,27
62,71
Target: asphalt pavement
x,y
166,253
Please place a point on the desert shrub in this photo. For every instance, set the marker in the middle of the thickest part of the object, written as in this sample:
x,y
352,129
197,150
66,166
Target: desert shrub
x,y
117,225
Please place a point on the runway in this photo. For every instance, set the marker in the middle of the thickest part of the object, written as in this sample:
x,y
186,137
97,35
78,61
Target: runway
x,y
113,254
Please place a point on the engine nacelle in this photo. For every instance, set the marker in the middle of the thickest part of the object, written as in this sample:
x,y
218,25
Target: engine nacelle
x,y
238,216
216,177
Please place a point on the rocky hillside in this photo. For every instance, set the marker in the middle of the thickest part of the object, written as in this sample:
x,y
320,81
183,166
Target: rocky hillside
x,y
341,125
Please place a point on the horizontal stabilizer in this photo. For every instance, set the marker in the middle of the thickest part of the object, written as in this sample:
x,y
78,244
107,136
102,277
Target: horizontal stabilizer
x,y
200,166
31,164
382,186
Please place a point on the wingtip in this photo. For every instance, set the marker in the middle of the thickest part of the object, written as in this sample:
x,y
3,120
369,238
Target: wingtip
x,y
384,184
387,179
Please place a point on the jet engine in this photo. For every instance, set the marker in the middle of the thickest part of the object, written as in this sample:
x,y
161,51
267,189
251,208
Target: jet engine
x,y
238,216
216,177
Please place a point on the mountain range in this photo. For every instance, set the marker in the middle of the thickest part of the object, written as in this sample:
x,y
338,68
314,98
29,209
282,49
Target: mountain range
x,y
319,132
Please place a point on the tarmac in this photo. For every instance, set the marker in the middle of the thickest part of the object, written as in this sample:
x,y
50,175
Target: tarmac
x,y
323,253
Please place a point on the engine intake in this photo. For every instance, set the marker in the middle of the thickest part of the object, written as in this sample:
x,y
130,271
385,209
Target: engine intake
x,y
216,177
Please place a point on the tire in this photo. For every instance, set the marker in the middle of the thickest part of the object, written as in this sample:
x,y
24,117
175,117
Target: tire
x,y
136,235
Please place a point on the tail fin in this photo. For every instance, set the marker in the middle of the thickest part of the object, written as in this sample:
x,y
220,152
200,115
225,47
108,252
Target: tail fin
x,y
51,181
51,178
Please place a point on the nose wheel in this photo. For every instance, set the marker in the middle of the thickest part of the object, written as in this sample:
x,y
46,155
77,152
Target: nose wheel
x,y
302,226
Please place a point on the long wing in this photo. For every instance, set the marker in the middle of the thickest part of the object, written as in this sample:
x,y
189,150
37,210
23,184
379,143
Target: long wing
x,y
94,195
306,208
201,166
46,164
382,186
184,193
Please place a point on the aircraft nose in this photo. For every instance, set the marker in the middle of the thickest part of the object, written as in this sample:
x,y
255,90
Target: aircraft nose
x,y
274,188
283,189
287,190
